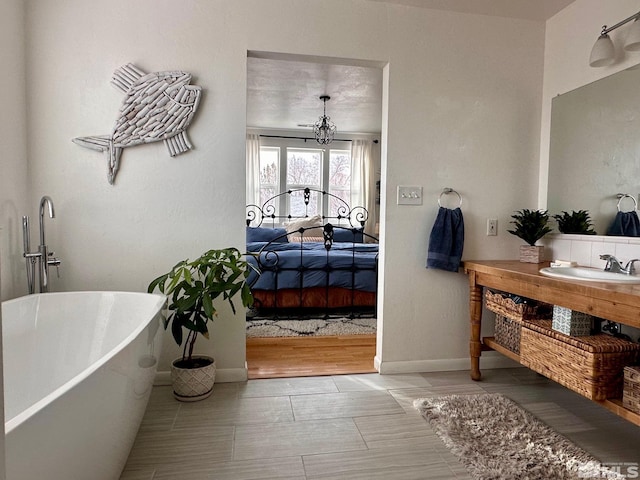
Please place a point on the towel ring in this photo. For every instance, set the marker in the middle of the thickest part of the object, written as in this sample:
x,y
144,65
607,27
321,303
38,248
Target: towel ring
x,y
622,196
447,191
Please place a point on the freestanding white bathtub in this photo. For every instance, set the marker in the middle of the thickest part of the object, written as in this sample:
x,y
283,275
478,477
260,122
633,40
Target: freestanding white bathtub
x,y
78,371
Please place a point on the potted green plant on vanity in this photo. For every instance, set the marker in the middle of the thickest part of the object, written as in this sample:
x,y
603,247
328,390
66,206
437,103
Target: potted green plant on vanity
x,y
192,288
576,222
530,226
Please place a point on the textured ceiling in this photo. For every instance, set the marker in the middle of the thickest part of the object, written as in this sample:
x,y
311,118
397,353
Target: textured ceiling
x,y
283,91
285,94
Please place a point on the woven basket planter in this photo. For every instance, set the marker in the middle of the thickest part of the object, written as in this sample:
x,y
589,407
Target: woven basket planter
x,y
591,366
631,393
193,384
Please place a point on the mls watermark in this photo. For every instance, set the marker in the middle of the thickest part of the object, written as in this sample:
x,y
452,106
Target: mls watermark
x,y
609,470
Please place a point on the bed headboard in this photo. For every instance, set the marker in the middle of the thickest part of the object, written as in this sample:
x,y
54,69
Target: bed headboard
x,y
296,204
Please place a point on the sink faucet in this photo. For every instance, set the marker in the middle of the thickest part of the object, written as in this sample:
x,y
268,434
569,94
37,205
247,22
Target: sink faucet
x,y
613,265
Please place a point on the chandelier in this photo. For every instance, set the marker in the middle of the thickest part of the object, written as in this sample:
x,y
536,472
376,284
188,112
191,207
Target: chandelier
x,y
324,129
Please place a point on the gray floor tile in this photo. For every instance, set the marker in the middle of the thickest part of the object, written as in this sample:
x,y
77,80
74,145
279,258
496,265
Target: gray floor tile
x,y
298,438
462,377
375,381
289,468
242,411
557,417
158,449
287,386
378,463
610,446
397,431
406,396
347,404
138,473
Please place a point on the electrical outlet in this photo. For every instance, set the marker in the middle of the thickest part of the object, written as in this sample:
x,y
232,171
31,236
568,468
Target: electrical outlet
x,y
492,226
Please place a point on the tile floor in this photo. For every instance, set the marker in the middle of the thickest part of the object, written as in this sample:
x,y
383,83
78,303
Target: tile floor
x,y
346,427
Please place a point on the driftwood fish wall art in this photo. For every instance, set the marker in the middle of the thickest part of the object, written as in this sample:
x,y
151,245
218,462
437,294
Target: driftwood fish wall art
x,y
157,106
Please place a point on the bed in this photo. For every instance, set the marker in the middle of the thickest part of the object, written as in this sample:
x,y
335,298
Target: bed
x,y
311,264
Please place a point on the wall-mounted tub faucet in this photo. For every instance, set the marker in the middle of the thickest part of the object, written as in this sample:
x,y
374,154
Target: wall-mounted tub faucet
x,y
43,256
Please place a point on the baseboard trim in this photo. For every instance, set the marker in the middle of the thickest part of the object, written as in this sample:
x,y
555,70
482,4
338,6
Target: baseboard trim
x,y
489,360
223,375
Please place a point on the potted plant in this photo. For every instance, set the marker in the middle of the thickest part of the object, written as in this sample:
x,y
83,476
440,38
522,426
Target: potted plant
x,y
192,288
530,226
576,222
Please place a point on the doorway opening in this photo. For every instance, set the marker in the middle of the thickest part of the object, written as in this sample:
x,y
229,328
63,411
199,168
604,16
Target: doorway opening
x,y
283,153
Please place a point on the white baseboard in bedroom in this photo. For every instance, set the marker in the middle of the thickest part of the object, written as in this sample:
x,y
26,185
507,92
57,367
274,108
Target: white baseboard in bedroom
x,y
223,375
488,360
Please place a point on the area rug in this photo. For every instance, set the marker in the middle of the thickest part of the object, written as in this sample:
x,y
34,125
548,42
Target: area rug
x,y
495,439
262,327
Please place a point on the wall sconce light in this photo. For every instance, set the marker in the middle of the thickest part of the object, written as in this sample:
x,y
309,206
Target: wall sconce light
x,y
603,52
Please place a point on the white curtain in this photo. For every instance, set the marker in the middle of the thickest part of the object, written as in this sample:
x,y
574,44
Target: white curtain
x,y
253,169
363,181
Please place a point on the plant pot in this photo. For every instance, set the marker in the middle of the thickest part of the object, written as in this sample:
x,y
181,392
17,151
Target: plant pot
x,y
531,254
193,382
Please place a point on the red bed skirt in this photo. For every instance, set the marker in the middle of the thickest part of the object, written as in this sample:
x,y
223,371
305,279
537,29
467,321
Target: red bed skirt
x,y
314,297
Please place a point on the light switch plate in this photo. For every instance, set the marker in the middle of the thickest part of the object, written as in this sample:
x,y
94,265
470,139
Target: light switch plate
x,y
409,195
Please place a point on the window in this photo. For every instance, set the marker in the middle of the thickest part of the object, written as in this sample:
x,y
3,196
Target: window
x,y
269,172
292,164
304,169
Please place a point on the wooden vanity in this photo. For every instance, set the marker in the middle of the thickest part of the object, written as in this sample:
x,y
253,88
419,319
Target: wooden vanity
x,y
617,302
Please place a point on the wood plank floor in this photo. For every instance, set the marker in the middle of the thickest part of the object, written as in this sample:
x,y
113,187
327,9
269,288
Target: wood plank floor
x,y
310,356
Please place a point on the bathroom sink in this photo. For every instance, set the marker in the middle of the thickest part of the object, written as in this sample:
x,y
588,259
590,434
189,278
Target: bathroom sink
x,y
588,274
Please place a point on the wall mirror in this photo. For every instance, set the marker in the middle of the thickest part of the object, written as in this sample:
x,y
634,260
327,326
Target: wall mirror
x,y
595,148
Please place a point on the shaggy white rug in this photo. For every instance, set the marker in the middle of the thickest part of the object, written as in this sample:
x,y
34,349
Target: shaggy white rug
x,y
498,440
310,327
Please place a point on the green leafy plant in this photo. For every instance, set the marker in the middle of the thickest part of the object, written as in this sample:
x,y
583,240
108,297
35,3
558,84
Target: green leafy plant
x,y
192,288
575,222
530,225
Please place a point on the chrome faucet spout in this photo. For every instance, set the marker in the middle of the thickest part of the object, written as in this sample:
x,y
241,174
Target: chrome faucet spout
x,y
43,249
614,265
630,268
43,256
46,200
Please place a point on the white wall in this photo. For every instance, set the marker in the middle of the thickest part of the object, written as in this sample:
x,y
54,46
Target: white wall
x,y
464,95
13,160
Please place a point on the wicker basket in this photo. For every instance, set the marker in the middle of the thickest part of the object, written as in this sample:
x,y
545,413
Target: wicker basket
x,y
631,392
592,366
507,333
503,304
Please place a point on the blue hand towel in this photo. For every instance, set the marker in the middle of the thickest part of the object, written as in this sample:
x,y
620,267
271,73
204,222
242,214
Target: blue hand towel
x,y
625,224
446,240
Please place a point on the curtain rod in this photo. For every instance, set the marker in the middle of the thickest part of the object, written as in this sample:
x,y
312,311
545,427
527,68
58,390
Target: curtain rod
x,y
309,138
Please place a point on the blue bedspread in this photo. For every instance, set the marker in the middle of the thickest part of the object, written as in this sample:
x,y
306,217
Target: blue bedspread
x,y
309,264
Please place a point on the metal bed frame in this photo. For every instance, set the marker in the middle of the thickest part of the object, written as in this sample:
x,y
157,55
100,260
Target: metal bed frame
x,y
346,218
